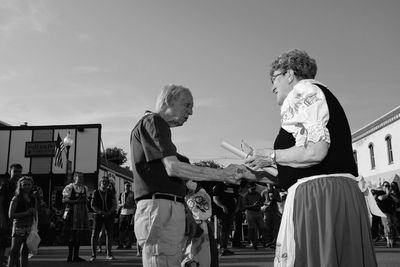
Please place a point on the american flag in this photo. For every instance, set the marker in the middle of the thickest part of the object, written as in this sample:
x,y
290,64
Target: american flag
x,y
59,149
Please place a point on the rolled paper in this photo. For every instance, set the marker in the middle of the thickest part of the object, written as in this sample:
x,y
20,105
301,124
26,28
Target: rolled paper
x,y
234,150
231,148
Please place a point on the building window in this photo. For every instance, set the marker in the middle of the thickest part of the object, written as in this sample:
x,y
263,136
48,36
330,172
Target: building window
x,y
355,155
372,156
389,149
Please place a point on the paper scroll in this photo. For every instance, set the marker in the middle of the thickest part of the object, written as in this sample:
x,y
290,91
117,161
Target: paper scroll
x,y
234,150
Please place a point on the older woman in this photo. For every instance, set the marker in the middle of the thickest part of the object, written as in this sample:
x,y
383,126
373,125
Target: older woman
x,y
325,220
75,196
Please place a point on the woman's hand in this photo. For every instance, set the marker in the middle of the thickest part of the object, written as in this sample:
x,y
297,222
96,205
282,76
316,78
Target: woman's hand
x,y
260,159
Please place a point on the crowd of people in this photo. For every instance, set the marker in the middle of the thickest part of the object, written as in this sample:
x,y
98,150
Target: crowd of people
x,y
324,221
21,201
243,211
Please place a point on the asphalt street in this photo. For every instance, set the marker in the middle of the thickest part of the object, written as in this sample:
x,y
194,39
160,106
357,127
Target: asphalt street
x,y
246,257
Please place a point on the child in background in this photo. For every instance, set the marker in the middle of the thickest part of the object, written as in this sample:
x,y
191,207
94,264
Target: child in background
x,y
198,249
23,208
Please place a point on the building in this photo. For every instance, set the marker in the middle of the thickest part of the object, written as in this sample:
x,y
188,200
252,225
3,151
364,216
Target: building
x,y
376,148
34,147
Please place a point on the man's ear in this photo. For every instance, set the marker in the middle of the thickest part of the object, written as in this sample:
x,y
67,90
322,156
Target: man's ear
x,y
169,101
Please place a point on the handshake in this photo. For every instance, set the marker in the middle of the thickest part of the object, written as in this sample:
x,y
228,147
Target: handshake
x,y
234,173
258,167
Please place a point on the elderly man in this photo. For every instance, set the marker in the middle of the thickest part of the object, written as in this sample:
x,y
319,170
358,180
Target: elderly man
x,y
160,174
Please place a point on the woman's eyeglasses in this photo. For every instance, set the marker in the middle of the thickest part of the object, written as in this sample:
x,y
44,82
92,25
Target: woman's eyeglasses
x,y
273,77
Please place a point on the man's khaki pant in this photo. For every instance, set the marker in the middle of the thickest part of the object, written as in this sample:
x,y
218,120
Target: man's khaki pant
x,y
160,230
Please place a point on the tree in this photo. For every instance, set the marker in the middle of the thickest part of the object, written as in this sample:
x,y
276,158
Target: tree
x,y
115,155
208,185
208,163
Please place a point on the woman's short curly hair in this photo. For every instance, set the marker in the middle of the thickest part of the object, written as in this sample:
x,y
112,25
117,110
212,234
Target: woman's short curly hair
x,y
299,61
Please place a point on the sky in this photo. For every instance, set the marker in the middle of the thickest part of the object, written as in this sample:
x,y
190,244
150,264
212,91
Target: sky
x,y
97,61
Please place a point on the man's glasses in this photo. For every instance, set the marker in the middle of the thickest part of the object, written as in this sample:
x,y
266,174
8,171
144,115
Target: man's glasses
x,y
273,77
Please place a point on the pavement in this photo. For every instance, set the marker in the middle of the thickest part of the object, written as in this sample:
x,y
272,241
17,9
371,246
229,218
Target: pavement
x,y
244,257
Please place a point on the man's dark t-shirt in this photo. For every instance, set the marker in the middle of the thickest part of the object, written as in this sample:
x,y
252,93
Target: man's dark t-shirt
x,y
387,205
150,142
250,199
228,195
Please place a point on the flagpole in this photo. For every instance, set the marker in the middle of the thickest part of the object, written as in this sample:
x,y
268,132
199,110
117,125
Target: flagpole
x,y
49,193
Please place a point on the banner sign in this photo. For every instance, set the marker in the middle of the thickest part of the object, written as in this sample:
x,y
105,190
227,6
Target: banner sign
x,y
40,149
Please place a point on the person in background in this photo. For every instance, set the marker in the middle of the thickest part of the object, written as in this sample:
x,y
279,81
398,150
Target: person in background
x,y
377,231
237,239
128,207
7,191
225,197
387,205
104,205
325,221
395,195
44,223
271,214
23,208
102,234
252,202
44,216
75,196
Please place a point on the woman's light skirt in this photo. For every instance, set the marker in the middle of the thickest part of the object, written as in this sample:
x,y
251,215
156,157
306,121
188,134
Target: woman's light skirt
x,y
325,223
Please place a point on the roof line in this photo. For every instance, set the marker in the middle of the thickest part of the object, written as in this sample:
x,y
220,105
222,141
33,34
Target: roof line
x,y
376,122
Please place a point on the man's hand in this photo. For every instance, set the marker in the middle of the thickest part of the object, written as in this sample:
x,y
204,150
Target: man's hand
x,y
235,172
260,159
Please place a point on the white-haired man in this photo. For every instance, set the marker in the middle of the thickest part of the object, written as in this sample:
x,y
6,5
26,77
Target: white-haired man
x,y
160,174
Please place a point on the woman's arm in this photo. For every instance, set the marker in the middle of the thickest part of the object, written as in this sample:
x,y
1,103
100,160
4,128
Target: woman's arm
x,y
296,156
302,156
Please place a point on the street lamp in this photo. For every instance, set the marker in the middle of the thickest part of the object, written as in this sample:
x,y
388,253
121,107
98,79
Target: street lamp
x,y
68,141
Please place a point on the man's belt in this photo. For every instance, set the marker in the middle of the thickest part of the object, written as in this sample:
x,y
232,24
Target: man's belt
x,y
162,196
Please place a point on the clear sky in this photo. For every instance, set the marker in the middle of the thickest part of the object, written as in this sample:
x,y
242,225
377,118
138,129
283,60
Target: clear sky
x,y
97,61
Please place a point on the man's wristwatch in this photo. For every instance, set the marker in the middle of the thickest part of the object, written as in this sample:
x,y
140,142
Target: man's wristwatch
x,y
273,157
